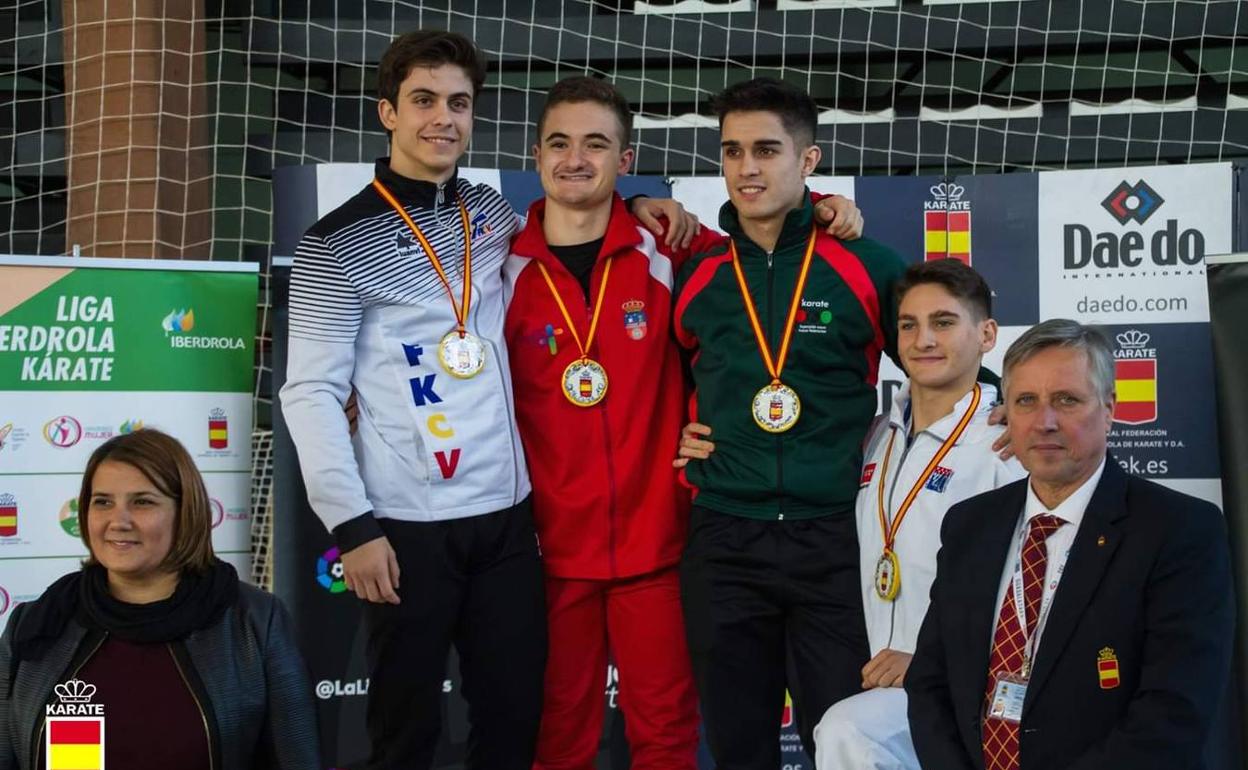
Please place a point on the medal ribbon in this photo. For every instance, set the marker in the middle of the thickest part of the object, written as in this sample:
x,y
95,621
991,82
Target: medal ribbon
x,y
774,366
890,530
460,310
593,323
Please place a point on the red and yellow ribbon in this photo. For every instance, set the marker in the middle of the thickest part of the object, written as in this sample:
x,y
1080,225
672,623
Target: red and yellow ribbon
x,y
774,366
460,310
890,530
593,323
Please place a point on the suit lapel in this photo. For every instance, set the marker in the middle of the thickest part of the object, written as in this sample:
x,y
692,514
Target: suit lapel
x,y
991,551
1095,542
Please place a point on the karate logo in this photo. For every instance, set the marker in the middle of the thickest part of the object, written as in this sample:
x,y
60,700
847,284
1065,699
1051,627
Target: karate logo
x,y
947,224
1135,379
8,515
74,728
1127,202
1107,669
218,429
635,318
867,474
480,226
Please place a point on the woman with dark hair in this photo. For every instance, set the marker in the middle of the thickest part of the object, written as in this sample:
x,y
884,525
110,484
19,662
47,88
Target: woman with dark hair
x,y
193,669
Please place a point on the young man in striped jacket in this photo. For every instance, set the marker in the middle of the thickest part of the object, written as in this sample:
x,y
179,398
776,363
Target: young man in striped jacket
x,y
600,396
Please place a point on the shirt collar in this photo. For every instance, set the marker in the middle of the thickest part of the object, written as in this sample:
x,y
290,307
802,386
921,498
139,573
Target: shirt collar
x,y
1071,509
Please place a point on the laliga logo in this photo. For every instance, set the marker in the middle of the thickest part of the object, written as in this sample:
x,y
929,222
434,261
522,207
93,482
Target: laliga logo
x,y
74,691
178,321
1168,247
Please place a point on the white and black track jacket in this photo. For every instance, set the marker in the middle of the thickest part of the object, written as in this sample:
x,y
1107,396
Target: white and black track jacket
x,y
366,312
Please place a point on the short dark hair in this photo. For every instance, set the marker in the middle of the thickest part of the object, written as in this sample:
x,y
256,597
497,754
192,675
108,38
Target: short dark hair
x,y
428,48
794,107
957,278
586,89
166,463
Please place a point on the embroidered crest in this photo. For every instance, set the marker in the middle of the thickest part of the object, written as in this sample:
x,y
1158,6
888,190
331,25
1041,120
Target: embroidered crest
x,y
867,474
635,318
939,479
1107,669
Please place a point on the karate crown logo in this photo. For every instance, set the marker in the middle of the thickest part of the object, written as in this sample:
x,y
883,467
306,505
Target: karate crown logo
x,y
1133,339
75,691
947,191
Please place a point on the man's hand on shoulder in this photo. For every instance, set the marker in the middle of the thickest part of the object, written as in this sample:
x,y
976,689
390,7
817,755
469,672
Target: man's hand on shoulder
x,y
841,216
665,217
886,669
371,571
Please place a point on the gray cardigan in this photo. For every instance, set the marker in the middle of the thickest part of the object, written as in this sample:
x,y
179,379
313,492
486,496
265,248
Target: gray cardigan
x,y
245,670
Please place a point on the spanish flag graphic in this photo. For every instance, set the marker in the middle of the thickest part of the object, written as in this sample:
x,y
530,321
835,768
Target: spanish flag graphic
x,y
1135,380
947,235
75,743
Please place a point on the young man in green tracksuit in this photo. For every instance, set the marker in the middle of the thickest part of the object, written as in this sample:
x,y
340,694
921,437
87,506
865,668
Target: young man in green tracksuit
x,y
786,326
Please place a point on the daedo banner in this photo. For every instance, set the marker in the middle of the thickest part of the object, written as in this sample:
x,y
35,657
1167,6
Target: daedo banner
x,y
92,348
1119,248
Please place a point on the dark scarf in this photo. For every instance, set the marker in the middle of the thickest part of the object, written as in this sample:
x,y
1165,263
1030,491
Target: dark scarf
x,y
200,600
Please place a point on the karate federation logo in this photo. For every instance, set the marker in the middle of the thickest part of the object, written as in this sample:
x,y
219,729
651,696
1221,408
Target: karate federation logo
x,y
218,429
1135,379
1135,202
786,717
74,728
947,224
8,515
635,318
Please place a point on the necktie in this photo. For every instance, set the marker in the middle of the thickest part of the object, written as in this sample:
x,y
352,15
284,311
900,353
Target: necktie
x,y
1001,737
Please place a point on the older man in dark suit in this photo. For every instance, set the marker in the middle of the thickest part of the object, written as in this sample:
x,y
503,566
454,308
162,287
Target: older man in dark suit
x,y
1081,618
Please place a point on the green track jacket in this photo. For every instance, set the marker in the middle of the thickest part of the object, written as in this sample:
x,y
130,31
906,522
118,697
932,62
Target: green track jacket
x,y
847,318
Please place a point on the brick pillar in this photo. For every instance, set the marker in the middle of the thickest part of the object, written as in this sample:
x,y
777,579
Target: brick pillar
x,y
140,162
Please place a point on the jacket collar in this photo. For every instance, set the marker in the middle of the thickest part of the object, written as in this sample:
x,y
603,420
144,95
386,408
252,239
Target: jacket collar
x,y
415,192
621,235
793,233
945,425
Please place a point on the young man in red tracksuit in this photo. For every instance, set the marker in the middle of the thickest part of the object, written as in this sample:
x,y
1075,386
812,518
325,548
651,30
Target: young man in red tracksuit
x,y
599,394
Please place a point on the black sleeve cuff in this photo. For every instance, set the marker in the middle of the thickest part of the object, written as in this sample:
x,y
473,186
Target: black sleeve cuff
x,y
356,532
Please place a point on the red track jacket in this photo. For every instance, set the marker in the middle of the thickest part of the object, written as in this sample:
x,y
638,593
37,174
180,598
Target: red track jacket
x,y
605,496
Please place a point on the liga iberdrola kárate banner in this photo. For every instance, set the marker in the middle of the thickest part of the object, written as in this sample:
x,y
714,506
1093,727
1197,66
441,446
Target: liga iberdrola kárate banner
x,y
92,348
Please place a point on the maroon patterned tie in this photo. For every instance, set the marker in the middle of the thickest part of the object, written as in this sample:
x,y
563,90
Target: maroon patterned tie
x,y
1000,736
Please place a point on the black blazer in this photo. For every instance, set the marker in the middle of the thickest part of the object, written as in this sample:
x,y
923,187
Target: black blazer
x,y
1148,576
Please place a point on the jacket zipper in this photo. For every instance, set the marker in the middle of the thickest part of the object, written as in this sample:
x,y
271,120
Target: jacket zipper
x,y
204,717
779,440
43,723
606,433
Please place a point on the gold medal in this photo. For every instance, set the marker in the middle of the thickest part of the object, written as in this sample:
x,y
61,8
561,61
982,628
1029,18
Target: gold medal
x,y
776,407
462,354
888,568
887,576
584,382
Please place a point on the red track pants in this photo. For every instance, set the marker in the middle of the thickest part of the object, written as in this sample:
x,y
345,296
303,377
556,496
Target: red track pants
x,y
640,620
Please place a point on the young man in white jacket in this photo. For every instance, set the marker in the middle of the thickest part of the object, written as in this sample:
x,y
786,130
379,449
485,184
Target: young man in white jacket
x,y
932,450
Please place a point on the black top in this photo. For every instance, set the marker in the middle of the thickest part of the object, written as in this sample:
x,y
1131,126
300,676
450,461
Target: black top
x,y
579,259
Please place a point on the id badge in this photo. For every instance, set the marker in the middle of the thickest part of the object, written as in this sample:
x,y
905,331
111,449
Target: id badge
x,y
1008,693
